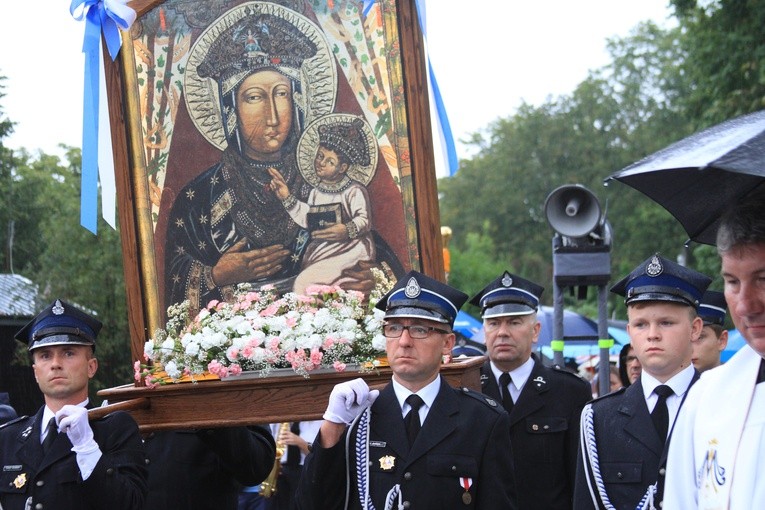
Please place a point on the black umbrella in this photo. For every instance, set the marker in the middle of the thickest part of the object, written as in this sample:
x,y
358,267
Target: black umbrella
x,y
699,177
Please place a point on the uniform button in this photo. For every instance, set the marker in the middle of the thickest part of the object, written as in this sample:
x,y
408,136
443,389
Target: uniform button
x,y
40,483
110,471
369,463
619,475
546,427
407,476
535,427
662,471
465,390
39,506
147,461
407,504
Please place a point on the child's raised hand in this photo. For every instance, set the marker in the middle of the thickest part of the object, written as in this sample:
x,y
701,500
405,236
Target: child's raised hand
x,y
278,185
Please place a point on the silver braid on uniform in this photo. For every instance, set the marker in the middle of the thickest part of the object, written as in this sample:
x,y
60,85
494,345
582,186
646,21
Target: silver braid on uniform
x,y
590,455
362,465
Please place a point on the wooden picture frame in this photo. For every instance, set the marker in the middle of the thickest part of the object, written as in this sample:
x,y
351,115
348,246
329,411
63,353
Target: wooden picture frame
x,y
163,140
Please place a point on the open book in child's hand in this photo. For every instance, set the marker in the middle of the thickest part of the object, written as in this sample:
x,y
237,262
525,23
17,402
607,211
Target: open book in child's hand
x,y
322,216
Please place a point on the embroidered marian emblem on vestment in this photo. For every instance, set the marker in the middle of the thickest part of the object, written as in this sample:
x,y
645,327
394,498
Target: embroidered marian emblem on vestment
x,y
20,481
412,289
711,475
387,462
654,268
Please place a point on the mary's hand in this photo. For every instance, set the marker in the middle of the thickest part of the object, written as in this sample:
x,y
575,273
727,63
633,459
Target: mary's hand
x,y
239,265
361,275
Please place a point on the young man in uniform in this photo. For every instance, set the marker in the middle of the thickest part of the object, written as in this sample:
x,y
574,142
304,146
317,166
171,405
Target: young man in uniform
x,y
715,460
623,434
417,443
544,403
57,458
714,336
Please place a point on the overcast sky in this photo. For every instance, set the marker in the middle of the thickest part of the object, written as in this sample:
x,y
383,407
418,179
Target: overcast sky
x,y
488,55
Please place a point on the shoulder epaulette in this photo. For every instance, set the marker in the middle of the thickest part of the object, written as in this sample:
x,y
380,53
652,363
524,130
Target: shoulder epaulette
x,y
561,370
15,420
488,401
607,395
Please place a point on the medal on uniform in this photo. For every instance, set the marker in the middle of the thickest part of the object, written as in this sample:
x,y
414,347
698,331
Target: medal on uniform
x,y
20,481
387,462
466,483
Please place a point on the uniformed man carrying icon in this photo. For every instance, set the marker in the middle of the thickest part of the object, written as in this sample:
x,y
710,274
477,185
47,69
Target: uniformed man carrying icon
x,y
57,459
418,443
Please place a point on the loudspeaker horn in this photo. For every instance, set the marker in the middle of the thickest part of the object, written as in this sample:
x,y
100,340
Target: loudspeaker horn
x,y
572,210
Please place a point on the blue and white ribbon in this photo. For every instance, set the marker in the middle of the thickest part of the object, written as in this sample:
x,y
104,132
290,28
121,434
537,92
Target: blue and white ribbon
x,y
444,129
105,17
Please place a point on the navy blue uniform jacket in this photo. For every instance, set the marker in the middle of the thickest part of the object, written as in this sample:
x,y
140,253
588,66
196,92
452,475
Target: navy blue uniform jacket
x,y
206,469
464,436
544,432
53,480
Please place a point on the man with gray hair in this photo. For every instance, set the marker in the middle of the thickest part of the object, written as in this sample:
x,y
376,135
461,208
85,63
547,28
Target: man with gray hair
x,y
715,457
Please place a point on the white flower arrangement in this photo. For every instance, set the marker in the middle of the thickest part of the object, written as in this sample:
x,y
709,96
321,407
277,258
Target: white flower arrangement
x,y
260,330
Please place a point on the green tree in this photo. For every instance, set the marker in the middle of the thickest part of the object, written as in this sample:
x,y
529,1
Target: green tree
x,y
613,118
725,58
82,268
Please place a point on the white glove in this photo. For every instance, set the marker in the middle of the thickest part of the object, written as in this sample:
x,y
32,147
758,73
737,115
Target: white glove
x,y
347,400
74,421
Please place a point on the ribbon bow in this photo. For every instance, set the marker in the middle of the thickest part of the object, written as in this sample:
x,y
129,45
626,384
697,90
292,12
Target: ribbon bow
x,y
105,17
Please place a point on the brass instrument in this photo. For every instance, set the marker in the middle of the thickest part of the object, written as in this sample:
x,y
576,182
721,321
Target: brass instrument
x,y
268,487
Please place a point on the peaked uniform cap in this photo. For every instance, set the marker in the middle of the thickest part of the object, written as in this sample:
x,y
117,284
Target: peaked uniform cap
x,y
660,279
60,324
508,295
418,296
713,307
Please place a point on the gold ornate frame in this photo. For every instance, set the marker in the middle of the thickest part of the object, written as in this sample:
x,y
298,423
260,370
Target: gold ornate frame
x,y
134,143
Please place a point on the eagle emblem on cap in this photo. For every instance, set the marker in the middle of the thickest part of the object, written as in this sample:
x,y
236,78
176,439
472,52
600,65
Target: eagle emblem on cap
x,y
412,289
654,268
506,280
58,308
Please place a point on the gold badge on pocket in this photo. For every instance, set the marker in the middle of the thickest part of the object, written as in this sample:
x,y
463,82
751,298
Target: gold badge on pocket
x,y
20,481
388,462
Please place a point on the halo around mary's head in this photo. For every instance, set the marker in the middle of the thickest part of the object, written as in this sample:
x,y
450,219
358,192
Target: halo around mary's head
x,y
246,39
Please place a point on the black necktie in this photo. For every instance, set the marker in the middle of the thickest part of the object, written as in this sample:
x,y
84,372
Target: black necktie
x,y
412,419
507,399
660,414
50,435
293,452
761,373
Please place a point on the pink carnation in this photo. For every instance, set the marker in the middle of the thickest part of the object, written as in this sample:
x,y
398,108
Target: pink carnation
x,y
235,369
316,356
212,304
339,366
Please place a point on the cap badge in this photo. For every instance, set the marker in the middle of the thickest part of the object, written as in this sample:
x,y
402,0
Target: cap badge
x,y
654,268
506,280
58,308
387,462
412,289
